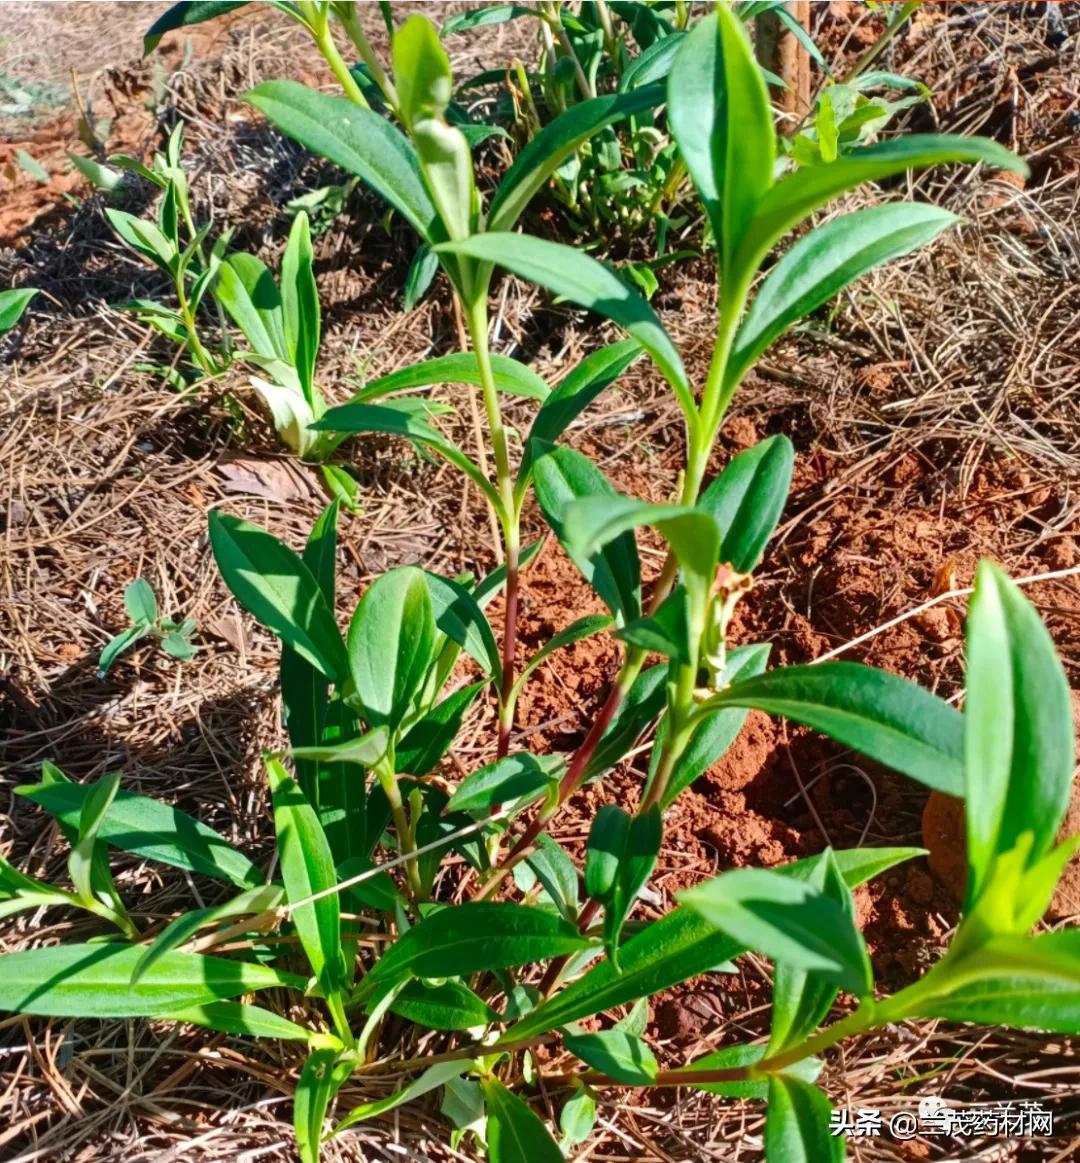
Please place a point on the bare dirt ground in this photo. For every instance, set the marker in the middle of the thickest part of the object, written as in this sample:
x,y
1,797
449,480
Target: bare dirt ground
x,y
936,415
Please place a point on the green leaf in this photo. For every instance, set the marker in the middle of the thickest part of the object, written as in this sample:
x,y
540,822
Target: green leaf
x,y
638,709
1019,744
322,1077
459,616
563,475
511,376
719,114
428,740
116,646
358,140
184,14
578,1116
12,305
434,1076
181,930
520,777
801,999
139,601
277,589
747,498
557,874
824,261
653,64
246,289
149,829
592,521
560,138
144,238
711,739
396,419
83,861
237,1017
300,313
666,631
799,194
889,719
572,273
679,946
619,1055
462,939
1029,982
420,275
788,920
476,17
620,856
797,1124
307,869
304,691
574,393
446,1005
808,1069
584,627
515,1132
94,981
392,645
363,750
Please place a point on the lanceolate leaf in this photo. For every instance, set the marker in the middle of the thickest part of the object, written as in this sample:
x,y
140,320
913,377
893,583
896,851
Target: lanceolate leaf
x,y
799,194
237,1017
654,64
277,588
718,108
246,289
447,1005
518,777
322,1077
592,522
572,273
300,305
1029,982
396,420
470,938
460,617
619,1055
890,719
584,627
747,498
94,981
511,376
356,139
561,476
679,946
788,920
1019,743
151,830
825,261
428,740
543,155
392,644
12,305
434,1076
515,1132
797,1122
184,14
575,392
307,868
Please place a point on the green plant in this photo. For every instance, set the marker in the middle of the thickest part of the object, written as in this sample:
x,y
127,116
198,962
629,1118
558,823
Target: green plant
x,y
141,606
498,978
177,247
13,304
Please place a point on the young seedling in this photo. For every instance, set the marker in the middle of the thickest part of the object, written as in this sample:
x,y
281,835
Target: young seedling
x,y
140,603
